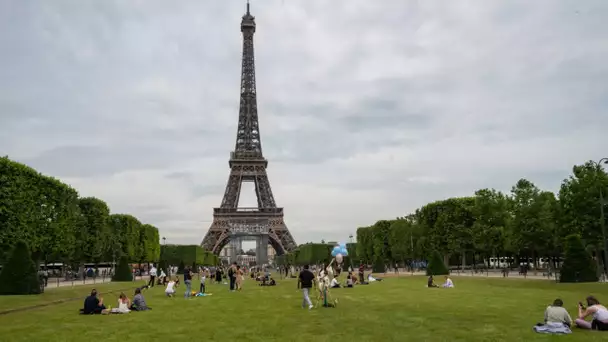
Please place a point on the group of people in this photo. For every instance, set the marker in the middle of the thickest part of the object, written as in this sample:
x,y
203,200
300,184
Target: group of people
x,y
93,304
447,284
558,320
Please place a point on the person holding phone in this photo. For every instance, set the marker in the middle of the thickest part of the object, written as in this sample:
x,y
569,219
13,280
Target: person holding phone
x,y
598,312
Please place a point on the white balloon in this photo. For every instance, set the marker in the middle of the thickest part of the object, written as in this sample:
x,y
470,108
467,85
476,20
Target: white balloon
x,y
339,258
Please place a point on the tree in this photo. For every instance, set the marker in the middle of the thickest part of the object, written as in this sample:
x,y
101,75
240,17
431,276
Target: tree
x,y
436,265
38,209
380,240
123,270
578,267
579,204
530,232
125,230
491,217
401,240
93,234
19,275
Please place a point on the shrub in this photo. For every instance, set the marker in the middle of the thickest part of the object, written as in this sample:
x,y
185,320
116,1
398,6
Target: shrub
x,y
378,266
578,266
19,275
436,265
123,270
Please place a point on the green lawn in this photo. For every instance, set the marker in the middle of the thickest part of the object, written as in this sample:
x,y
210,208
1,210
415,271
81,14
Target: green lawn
x,y
397,309
61,293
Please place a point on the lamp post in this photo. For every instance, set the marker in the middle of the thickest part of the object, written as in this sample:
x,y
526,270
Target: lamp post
x,y
351,238
602,219
162,256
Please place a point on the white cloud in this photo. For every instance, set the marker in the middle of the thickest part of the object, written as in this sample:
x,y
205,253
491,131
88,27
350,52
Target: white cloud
x,y
367,109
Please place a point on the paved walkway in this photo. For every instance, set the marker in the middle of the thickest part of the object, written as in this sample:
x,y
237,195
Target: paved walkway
x,y
512,274
531,275
54,283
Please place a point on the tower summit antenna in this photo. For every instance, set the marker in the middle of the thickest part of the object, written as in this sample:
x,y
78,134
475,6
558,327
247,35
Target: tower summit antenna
x,y
247,6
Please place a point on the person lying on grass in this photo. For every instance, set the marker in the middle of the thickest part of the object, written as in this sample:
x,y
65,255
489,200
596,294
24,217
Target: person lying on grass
x,y
598,312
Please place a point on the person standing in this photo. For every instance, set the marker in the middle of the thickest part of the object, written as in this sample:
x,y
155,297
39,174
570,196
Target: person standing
x,y
239,278
305,282
232,275
361,275
188,282
203,276
152,276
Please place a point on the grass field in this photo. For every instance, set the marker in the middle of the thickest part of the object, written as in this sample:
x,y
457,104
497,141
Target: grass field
x,y
397,309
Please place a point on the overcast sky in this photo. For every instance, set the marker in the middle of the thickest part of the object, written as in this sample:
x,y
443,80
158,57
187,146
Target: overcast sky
x,y
368,109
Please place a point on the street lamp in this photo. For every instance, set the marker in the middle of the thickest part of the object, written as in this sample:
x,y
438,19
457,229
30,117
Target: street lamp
x,y
164,240
351,238
602,220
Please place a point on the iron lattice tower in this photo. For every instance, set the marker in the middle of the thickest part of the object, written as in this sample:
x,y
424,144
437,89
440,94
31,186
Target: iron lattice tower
x,y
247,164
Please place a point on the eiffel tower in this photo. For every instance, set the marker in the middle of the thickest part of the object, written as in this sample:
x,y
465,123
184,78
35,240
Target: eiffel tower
x,y
263,223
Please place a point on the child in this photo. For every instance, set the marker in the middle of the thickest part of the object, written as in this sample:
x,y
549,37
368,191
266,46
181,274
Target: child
x,y
203,278
170,290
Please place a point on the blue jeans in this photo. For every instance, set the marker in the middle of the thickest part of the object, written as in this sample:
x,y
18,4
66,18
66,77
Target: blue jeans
x,y
188,289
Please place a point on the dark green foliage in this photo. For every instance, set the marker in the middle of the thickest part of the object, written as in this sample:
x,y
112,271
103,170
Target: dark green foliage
x,y
37,209
125,231
149,241
313,253
181,267
60,227
188,254
378,266
578,266
93,235
436,265
123,270
162,265
19,275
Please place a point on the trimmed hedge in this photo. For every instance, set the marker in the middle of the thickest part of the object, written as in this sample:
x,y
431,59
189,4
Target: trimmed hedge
x,y
436,265
578,265
19,275
123,270
188,254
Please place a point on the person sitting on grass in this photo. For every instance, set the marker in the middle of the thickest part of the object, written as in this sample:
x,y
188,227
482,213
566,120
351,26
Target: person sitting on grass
x,y
448,283
139,303
556,313
334,283
598,312
430,282
93,305
170,290
349,280
123,304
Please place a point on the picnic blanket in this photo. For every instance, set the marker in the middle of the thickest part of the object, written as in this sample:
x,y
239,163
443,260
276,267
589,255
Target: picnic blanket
x,y
552,328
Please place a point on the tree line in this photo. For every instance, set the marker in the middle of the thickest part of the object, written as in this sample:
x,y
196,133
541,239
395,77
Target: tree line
x,y
525,224
61,227
315,254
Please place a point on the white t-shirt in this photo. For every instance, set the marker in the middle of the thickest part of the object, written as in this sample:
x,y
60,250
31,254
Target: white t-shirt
x,y
448,283
170,286
334,282
153,271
